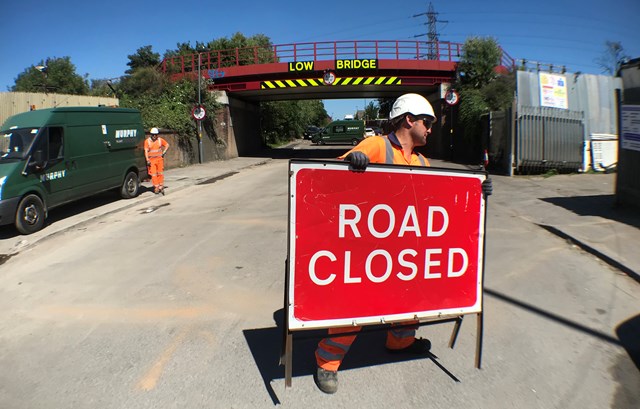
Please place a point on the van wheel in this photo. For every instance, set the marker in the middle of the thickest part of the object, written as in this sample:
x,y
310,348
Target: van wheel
x,y
130,186
30,215
354,142
320,142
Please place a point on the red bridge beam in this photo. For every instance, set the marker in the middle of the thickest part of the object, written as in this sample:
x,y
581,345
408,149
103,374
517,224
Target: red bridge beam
x,y
320,51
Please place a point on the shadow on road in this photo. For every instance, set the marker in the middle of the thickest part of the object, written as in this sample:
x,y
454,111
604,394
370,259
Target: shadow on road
x,y
629,334
73,209
600,205
367,350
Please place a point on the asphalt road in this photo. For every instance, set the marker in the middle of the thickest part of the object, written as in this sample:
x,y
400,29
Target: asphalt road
x,y
176,302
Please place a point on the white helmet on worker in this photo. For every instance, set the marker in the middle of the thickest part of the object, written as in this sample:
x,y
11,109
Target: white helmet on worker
x,y
413,104
154,131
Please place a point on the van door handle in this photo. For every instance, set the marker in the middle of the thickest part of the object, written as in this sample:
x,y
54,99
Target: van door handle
x,y
107,144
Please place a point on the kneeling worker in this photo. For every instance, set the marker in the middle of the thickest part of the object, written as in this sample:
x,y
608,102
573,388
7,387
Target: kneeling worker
x,y
411,118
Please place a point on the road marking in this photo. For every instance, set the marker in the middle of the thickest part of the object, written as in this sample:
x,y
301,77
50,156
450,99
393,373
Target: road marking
x,y
150,379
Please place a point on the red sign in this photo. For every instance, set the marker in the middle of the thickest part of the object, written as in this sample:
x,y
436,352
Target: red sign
x,y
388,244
198,112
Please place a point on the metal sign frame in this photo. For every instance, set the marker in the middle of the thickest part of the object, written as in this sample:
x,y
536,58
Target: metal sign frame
x,y
293,324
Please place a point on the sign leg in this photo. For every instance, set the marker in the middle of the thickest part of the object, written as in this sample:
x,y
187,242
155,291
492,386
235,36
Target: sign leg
x,y
454,333
288,361
479,332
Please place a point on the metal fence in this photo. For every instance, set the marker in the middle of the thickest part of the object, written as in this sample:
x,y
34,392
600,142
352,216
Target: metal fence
x,y
563,139
549,138
12,103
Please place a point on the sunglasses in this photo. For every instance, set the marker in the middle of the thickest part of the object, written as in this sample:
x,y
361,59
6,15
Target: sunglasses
x,y
427,121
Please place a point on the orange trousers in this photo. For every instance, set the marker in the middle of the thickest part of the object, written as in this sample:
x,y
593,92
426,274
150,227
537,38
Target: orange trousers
x,y
331,351
156,171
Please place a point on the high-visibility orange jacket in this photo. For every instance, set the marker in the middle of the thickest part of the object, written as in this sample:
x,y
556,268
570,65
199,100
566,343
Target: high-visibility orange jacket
x,y
387,149
154,149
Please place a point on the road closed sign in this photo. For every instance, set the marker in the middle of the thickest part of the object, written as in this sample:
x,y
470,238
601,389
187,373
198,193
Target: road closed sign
x,y
389,244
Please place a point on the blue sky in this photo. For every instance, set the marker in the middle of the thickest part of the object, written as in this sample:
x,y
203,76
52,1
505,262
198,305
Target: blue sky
x,y
98,36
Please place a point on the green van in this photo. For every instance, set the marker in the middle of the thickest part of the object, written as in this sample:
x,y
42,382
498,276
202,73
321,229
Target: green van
x,y
349,131
54,156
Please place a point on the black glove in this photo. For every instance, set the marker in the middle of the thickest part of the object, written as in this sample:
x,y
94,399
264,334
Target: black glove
x,y
358,160
487,187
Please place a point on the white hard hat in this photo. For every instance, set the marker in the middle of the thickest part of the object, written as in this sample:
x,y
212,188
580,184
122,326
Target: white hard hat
x,y
413,104
154,131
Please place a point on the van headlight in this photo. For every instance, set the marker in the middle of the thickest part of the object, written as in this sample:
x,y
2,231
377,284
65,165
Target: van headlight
x,y
2,179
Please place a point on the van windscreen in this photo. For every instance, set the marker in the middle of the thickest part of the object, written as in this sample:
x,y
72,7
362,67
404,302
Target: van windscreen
x,y
15,143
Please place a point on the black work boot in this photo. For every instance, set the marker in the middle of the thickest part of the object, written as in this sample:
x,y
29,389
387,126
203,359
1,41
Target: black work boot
x,y
420,346
327,381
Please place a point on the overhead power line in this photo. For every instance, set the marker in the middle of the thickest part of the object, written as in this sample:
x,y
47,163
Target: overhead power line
x,y
432,33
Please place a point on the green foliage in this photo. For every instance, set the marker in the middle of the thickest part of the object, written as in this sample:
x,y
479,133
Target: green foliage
x,y
221,52
144,81
472,106
480,57
499,93
371,110
99,88
144,57
481,89
255,49
171,108
58,76
282,121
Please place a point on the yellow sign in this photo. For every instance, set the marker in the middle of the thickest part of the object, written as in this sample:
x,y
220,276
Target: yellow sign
x,y
371,64
301,66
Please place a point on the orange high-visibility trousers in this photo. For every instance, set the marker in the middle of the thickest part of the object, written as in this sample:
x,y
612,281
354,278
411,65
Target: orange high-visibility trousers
x,y
156,171
331,351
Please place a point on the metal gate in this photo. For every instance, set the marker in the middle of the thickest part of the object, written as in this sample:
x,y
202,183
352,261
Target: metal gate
x,y
548,138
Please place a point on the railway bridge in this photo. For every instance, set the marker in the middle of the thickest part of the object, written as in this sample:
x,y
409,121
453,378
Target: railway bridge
x,y
317,70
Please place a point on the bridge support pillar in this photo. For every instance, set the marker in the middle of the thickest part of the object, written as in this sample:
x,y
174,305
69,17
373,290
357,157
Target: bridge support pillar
x,y
237,127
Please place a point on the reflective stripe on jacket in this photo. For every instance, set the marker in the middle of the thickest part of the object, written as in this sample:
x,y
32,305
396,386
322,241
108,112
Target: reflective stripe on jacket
x,y
153,149
387,149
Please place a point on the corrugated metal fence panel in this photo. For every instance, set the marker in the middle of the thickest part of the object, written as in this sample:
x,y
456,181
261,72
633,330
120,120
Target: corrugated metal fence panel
x,y
12,103
548,138
592,94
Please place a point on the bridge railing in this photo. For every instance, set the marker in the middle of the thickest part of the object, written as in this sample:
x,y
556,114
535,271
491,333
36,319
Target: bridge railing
x,y
319,51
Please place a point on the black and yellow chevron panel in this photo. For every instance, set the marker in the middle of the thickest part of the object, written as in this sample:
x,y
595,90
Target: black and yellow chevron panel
x,y
318,82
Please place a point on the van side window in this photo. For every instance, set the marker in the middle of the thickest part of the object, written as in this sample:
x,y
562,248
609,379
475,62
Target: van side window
x,y
56,145
339,129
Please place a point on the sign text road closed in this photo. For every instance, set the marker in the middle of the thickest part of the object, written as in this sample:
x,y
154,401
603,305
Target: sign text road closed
x,y
387,244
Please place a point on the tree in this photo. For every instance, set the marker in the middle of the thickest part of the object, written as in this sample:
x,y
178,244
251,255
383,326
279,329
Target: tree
x,y
480,57
144,81
170,107
144,57
54,75
254,49
282,121
481,88
612,58
371,110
